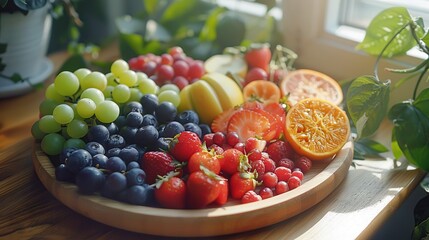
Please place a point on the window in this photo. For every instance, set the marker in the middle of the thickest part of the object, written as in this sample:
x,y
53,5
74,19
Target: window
x,y
324,34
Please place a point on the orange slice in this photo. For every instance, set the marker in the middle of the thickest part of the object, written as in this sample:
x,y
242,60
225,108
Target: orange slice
x,y
317,128
262,90
306,83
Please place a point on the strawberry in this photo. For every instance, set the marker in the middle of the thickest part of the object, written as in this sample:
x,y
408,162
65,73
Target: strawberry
x,y
157,164
258,55
222,198
248,124
203,188
184,145
280,149
220,122
170,192
240,183
208,159
230,161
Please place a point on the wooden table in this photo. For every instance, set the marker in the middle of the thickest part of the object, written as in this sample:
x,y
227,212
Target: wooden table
x,y
371,192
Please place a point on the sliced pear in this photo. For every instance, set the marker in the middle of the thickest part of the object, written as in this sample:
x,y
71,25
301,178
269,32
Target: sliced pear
x,y
205,101
185,99
224,63
228,92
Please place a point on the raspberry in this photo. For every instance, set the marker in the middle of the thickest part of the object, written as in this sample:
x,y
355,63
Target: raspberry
x,y
250,196
303,163
286,162
280,149
283,173
259,167
270,165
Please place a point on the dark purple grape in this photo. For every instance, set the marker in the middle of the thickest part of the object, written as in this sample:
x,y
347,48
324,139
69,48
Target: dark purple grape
x,y
94,148
132,165
165,112
149,103
115,183
188,116
149,119
129,154
172,129
98,133
192,127
146,136
99,161
129,134
135,176
113,152
132,107
62,173
115,141
134,119
115,164
90,180
78,160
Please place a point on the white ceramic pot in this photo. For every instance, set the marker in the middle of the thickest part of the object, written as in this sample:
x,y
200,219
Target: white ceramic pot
x,y
27,39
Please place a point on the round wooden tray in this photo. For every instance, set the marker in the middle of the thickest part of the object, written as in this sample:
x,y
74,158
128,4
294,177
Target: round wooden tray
x,y
323,178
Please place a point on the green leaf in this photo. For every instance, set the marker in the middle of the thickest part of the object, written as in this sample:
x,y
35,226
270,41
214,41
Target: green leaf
x,y
369,148
422,102
367,102
2,65
384,27
3,3
208,32
73,63
150,6
178,9
150,29
16,78
411,128
396,150
3,47
425,38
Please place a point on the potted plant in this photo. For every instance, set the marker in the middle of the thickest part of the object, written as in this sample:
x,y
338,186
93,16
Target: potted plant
x,y
391,33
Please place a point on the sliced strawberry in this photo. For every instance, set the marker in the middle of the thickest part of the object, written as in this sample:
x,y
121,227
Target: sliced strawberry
x,y
278,110
253,104
276,127
248,124
220,123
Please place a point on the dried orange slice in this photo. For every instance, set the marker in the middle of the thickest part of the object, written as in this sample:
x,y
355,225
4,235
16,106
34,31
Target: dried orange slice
x,y
262,90
317,128
306,83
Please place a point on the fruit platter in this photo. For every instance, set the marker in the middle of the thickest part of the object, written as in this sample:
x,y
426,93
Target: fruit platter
x,y
162,144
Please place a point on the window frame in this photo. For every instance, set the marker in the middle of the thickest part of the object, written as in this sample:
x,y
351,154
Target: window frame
x,y
311,30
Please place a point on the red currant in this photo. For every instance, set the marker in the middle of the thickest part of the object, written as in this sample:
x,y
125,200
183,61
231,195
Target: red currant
x,y
281,187
298,174
270,179
232,138
196,70
270,165
180,82
219,138
294,182
208,139
259,167
166,59
181,68
239,146
165,73
255,74
266,192
175,50
254,155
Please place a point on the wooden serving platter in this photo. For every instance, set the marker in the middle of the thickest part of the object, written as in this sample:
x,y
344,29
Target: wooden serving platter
x,y
323,178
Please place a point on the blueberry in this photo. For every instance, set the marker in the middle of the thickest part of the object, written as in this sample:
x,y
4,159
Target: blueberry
x,y
98,133
132,165
115,141
140,149
172,129
115,164
99,161
94,148
132,107
149,103
165,112
138,195
113,152
129,154
162,144
62,173
78,160
113,128
65,153
146,136
134,119
149,119
90,180
192,127
188,116
115,183
120,121
205,129
129,134
135,176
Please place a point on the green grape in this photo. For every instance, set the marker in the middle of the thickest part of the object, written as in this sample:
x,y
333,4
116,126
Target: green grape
x,y
94,80
77,128
74,143
64,133
51,93
111,79
107,111
52,144
169,86
148,86
47,106
94,94
76,114
36,132
118,67
63,113
141,76
81,73
85,107
169,96
108,91
128,78
66,83
135,95
47,124
121,93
